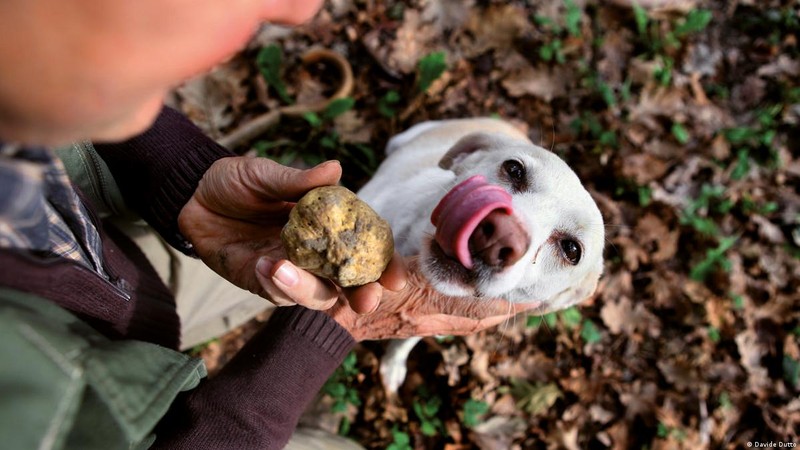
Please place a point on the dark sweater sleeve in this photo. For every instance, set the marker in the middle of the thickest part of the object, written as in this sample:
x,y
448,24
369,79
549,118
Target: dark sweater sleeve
x,y
158,171
256,400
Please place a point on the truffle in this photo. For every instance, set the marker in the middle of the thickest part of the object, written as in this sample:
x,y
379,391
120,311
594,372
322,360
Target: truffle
x,y
334,234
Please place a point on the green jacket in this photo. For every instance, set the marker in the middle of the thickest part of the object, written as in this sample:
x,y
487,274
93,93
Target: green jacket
x,y
65,385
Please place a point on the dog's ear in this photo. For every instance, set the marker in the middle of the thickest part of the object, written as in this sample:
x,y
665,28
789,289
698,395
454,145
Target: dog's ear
x,y
465,146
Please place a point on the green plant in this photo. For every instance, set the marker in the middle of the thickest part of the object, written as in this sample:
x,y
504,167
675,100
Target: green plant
x,y
680,133
791,371
588,124
429,69
269,60
725,401
590,333
715,258
663,431
387,103
660,42
570,25
474,411
755,141
711,200
426,407
340,388
645,195
714,334
400,440
322,142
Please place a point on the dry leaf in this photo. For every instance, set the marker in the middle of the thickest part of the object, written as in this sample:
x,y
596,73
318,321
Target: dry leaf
x,y
545,83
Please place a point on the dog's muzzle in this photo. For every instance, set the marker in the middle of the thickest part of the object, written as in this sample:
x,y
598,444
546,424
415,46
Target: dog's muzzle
x,y
475,219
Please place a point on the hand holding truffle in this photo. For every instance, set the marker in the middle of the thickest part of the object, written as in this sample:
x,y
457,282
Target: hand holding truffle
x,y
235,219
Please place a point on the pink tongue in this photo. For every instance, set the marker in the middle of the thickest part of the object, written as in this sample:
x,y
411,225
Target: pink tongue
x,y
461,210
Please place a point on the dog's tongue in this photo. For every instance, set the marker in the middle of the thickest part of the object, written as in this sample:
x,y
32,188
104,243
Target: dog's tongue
x,y
461,210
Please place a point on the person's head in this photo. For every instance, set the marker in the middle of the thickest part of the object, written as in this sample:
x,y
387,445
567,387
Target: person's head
x,y
98,69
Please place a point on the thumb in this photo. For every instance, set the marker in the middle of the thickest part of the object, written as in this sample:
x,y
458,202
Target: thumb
x,y
280,182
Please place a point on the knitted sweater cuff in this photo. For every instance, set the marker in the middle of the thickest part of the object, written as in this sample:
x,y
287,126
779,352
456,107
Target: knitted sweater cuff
x,y
159,170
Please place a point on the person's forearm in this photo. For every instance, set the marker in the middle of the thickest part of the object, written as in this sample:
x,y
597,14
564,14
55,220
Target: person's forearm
x,y
158,171
258,397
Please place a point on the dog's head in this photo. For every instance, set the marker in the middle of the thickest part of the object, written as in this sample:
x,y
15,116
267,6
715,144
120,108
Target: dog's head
x,y
516,223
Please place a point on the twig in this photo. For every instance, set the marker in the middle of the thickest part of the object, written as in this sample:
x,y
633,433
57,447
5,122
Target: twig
x,y
259,125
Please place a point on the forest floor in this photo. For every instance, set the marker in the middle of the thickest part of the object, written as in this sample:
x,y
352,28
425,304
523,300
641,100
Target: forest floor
x,y
682,118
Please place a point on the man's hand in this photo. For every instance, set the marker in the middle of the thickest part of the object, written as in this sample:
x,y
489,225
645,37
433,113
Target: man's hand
x,y
418,310
234,220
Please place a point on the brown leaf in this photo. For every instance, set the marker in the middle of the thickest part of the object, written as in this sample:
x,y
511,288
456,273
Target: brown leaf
x,y
751,352
411,42
497,27
652,231
643,168
618,316
210,100
498,432
545,83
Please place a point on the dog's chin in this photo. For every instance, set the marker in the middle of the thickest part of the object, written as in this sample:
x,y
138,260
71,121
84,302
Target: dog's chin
x,y
445,274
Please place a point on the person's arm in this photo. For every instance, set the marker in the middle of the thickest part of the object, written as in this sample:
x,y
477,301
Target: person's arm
x,y
257,398
159,170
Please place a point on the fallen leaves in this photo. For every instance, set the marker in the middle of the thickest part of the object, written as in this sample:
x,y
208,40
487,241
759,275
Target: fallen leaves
x,y
656,359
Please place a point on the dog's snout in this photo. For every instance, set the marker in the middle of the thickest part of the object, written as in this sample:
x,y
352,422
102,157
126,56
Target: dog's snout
x,y
499,241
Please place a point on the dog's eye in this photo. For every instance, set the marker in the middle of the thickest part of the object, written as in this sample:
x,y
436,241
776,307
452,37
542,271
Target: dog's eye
x,y
516,173
571,251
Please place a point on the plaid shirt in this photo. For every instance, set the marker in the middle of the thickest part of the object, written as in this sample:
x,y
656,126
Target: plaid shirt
x,y
40,210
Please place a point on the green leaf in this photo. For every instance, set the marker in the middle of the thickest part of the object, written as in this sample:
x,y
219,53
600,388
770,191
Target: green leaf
x,y
713,334
572,21
725,401
473,410
713,258
269,60
680,133
572,317
645,195
338,107
329,141
546,52
791,371
385,103
430,68
428,429
697,20
739,135
590,333
550,319
533,321
640,14
742,167
401,440
313,119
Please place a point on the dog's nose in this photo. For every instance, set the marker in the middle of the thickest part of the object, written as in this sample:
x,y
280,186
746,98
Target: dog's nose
x,y
499,240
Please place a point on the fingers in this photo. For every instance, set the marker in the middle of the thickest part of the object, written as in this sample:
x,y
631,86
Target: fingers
x,y
285,284
395,277
479,308
278,182
364,299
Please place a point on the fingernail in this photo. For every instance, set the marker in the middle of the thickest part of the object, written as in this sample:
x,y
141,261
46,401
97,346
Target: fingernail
x,y
327,163
287,275
263,266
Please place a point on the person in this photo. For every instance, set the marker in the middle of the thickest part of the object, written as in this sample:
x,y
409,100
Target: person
x,y
89,332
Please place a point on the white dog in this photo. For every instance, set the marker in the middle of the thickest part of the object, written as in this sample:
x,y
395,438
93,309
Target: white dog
x,y
490,214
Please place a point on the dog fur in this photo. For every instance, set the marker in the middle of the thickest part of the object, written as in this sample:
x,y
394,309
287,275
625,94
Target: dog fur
x,y
551,211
